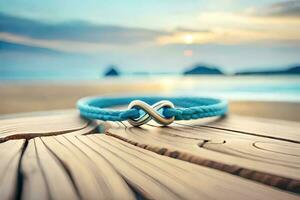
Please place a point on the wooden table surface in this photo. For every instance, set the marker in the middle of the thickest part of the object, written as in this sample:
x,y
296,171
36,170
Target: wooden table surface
x,y
58,155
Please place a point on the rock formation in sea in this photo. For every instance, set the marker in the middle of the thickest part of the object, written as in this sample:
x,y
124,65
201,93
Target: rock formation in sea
x,y
295,70
203,70
112,71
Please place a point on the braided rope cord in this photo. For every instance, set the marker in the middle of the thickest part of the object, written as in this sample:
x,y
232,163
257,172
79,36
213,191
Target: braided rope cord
x,y
185,107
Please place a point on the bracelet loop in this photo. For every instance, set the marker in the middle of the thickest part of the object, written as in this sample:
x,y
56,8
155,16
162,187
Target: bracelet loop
x,y
186,108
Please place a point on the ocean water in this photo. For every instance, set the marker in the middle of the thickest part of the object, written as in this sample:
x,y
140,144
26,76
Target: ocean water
x,y
260,88
268,88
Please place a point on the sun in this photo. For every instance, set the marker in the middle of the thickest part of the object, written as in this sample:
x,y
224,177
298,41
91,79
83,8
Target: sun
x,y
188,39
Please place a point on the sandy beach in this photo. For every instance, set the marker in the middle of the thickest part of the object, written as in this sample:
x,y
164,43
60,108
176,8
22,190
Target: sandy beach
x,y
30,97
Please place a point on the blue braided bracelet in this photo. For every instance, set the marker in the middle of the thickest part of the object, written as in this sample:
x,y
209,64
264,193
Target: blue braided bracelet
x,y
164,109
186,108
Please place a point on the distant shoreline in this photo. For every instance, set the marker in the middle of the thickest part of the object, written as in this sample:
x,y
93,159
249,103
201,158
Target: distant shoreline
x,y
72,79
212,70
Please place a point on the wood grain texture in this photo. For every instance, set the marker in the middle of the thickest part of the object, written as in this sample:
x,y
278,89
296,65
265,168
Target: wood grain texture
x,y
161,177
55,174
93,181
276,129
33,177
61,155
227,151
43,125
10,154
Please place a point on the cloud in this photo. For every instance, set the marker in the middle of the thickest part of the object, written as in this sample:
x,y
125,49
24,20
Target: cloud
x,y
229,36
78,31
281,17
184,29
263,25
15,47
273,24
281,9
60,45
277,23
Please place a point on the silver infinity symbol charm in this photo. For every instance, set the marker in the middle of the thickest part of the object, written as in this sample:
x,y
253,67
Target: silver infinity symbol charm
x,y
151,112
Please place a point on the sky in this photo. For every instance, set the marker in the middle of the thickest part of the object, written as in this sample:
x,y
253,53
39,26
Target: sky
x,y
151,36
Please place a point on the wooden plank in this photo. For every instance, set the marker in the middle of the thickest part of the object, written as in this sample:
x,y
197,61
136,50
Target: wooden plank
x,y
109,180
288,149
161,177
136,176
33,175
73,163
285,154
245,145
43,125
10,154
175,142
276,129
59,182
92,127
92,181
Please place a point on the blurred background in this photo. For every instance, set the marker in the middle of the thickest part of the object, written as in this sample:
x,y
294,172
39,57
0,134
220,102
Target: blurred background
x,y
53,52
